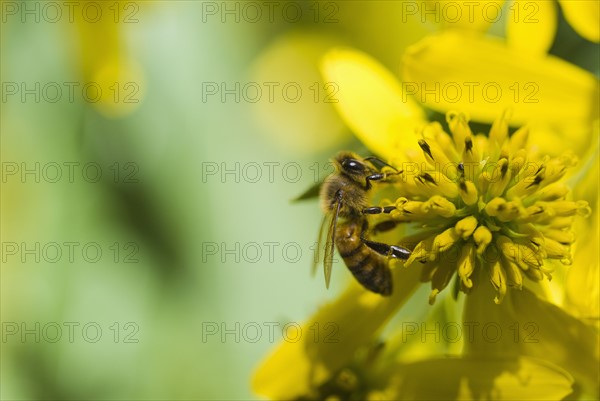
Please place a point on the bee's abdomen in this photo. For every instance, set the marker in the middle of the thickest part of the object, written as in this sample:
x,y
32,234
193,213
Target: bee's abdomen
x,y
372,272
368,267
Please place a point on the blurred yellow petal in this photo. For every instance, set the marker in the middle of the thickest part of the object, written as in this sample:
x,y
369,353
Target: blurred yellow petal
x,y
583,277
527,325
289,97
531,26
462,14
372,103
582,283
114,82
121,87
100,40
563,339
294,368
482,379
400,20
480,76
550,137
584,17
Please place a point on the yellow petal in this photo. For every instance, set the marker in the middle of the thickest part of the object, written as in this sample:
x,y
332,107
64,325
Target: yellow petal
x,y
580,287
584,17
491,378
463,14
583,277
294,367
291,105
451,14
562,339
531,26
372,103
116,79
481,75
530,326
549,137
124,98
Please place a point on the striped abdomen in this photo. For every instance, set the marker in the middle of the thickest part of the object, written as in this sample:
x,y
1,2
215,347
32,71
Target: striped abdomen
x,y
368,267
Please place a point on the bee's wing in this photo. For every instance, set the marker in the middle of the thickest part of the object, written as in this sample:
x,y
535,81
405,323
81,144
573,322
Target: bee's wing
x,y
329,245
320,244
312,192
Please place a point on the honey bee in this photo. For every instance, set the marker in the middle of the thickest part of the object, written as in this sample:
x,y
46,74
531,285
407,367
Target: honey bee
x,y
345,203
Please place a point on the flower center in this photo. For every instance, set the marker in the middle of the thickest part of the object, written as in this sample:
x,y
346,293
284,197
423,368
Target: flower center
x,y
482,203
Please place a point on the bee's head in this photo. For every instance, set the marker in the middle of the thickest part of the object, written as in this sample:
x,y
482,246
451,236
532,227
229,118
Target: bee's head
x,y
351,165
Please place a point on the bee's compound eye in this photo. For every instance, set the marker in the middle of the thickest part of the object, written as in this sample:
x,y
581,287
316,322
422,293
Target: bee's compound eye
x,y
353,165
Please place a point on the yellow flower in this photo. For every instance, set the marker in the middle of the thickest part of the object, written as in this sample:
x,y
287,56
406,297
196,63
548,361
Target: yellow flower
x,y
506,215
488,209
477,196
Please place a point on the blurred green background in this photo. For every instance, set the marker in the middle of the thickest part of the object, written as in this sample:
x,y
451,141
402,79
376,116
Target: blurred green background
x,y
135,129
135,171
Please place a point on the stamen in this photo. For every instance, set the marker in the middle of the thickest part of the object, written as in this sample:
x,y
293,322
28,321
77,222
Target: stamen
x,y
426,149
440,206
468,192
532,234
466,227
466,264
510,211
518,140
482,237
562,236
495,206
470,155
551,192
441,278
513,274
499,131
445,240
422,252
555,250
499,179
499,279
459,127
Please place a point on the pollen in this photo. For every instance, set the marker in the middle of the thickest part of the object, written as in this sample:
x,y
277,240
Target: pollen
x,y
484,207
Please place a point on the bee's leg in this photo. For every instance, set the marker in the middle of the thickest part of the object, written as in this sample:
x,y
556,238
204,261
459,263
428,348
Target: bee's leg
x,y
373,177
378,209
384,225
393,251
377,177
379,164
